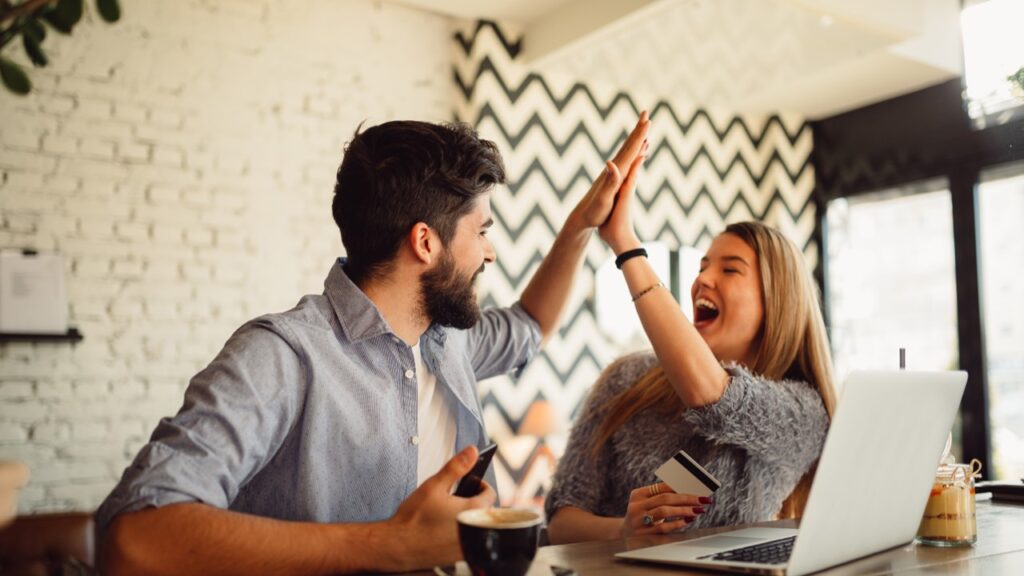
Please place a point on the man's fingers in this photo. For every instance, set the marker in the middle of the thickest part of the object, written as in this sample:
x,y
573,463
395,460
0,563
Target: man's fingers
x,y
630,182
457,467
485,499
614,180
632,145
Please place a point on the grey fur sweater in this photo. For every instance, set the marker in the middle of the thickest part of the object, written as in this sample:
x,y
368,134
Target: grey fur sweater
x,y
758,439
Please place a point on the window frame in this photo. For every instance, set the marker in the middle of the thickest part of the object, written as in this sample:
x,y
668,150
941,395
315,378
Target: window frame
x,y
927,186
917,137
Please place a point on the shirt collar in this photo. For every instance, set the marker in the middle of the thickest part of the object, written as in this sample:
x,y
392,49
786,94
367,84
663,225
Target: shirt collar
x,y
357,315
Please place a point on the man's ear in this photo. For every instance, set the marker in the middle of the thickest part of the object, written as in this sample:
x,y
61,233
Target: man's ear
x,y
424,242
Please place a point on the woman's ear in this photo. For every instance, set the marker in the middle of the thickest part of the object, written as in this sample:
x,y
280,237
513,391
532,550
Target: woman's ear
x,y
424,242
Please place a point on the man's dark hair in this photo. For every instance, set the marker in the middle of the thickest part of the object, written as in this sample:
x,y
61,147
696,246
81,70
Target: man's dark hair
x,y
400,173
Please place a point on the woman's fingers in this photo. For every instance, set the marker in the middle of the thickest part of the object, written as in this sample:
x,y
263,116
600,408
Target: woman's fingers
x,y
672,525
657,509
673,499
597,205
660,494
631,147
626,189
672,512
649,491
666,527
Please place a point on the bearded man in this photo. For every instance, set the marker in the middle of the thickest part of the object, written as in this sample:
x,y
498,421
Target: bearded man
x,y
326,439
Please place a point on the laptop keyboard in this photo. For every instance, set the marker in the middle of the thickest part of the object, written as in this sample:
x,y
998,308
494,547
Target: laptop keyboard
x,y
774,552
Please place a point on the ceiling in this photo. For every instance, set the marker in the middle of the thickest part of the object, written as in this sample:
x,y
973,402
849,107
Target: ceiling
x,y
816,58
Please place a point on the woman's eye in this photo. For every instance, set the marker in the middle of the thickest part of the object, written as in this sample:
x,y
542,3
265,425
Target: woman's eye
x,y
731,271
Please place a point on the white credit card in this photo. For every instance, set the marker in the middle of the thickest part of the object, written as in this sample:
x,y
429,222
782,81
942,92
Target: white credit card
x,y
685,476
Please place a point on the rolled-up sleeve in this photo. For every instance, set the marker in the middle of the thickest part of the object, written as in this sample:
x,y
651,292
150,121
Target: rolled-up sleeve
x,y
782,422
504,340
236,414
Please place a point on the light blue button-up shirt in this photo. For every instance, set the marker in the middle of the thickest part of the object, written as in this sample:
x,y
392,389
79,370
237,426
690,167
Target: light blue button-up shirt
x,y
310,414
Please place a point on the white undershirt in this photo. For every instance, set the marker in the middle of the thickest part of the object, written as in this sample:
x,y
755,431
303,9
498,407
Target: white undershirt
x,y
435,424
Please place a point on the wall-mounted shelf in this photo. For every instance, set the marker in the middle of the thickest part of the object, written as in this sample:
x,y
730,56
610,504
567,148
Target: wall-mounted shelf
x,y
72,335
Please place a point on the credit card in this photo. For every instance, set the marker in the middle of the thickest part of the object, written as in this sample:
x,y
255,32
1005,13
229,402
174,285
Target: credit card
x,y
684,475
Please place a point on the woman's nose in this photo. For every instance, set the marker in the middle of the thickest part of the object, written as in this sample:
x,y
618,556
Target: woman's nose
x,y
705,277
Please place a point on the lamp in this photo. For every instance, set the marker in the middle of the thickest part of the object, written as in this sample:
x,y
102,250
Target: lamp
x,y
540,420
13,475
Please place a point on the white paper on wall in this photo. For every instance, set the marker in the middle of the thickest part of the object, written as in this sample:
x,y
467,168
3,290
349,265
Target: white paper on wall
x,y
32,294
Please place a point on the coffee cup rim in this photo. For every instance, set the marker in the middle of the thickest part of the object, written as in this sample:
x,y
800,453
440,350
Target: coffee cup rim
x,y
468,518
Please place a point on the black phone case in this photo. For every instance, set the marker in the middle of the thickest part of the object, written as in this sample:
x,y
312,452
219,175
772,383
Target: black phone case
x,y
469,485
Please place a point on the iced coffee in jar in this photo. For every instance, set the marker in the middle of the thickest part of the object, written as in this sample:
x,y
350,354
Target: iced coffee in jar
x,y
949,517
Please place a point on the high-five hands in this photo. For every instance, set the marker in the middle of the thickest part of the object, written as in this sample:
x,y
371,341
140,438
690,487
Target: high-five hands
x,y
619,173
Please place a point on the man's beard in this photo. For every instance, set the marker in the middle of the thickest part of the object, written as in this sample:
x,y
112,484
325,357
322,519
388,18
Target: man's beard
x,y
448,299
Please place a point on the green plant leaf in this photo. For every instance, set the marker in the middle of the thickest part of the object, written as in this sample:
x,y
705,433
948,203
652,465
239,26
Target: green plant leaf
x,y
58,22
110,10
14,77
1017,78
33,49
70,10
36,29
64,15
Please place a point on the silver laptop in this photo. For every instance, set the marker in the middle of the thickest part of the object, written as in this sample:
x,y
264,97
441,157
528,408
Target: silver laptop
x,y
870,489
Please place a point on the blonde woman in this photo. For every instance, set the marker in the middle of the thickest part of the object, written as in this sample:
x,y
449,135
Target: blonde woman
x,y
746,389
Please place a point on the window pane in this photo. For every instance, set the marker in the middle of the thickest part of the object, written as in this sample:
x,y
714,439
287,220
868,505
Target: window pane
x,y
891,281
993,58
1001,211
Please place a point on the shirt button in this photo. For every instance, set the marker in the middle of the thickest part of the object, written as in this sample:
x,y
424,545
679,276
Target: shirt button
x,y
409,373
415,440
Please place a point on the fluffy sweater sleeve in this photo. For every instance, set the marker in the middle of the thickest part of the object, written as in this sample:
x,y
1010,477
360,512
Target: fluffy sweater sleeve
x,y
780,422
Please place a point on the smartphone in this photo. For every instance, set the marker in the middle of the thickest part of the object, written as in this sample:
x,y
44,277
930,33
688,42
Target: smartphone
x,y
469,485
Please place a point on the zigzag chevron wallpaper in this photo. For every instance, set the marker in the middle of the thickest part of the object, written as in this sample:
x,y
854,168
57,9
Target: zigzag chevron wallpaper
x,y
706,169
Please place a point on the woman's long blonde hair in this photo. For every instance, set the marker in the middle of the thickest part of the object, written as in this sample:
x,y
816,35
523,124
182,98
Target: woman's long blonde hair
x,y
792,344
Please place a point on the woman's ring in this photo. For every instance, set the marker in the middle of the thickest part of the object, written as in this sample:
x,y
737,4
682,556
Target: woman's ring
x,y
648,520
654,489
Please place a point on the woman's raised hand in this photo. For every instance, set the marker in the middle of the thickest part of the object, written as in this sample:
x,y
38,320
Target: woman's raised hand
x,y
617,231
600,201
657,509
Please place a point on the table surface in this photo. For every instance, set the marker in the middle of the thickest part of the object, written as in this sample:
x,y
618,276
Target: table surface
x,y
999,550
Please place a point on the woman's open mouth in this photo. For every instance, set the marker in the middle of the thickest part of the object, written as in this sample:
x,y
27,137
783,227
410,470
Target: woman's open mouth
x,y
704,313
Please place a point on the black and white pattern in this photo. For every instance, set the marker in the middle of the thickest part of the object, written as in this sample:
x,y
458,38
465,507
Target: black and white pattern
x,y
705,169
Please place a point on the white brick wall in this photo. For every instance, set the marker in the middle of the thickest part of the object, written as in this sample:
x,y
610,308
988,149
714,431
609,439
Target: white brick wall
x,y
182,161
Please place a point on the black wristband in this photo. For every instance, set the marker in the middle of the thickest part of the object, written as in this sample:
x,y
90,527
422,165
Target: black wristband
x,y
621,258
